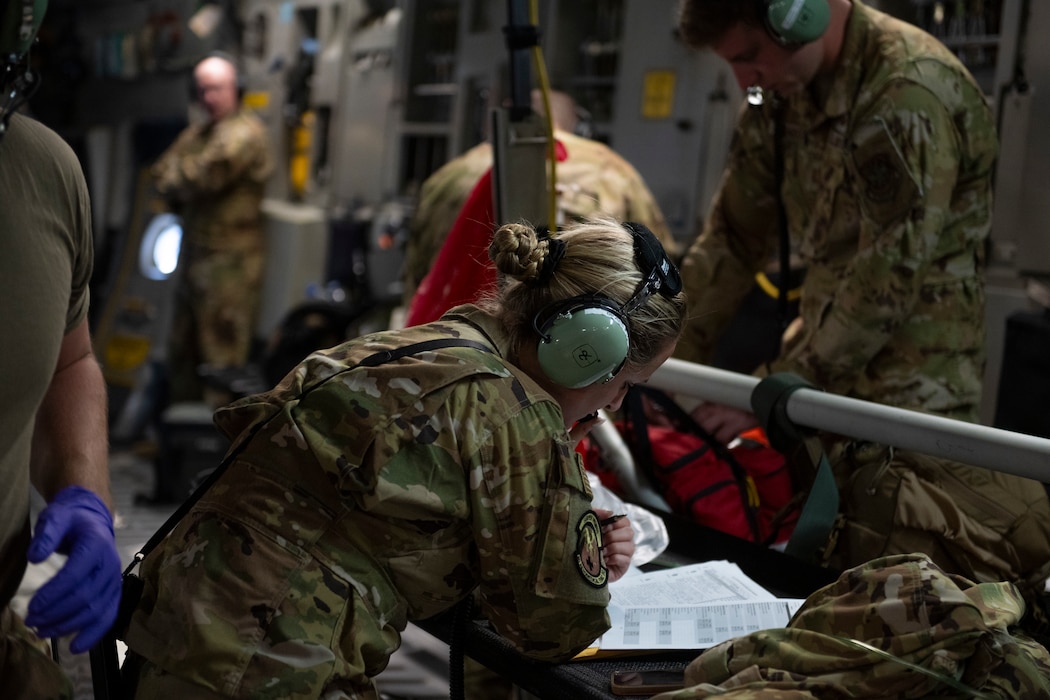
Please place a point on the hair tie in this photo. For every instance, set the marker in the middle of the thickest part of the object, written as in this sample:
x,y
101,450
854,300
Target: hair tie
x,y
555,252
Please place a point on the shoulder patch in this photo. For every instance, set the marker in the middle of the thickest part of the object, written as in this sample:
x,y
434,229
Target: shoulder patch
x,y
882,178
589,550
887,191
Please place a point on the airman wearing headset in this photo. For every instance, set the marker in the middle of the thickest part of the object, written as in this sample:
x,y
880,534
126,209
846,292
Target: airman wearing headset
x,y
214,176
370,490
874,149
52,393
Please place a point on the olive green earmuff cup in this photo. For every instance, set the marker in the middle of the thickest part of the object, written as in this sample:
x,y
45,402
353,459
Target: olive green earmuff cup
x,y
583,343
796,22
18,27
586,339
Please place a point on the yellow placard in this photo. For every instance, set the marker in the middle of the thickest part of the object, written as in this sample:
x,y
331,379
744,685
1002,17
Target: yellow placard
x,y
126,352
256,99
658,94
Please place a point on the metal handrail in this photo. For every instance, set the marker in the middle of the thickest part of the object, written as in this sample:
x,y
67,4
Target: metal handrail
x,y
616,457
993,448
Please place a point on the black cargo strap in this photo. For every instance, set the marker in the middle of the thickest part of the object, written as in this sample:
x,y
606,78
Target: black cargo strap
x,y
769,402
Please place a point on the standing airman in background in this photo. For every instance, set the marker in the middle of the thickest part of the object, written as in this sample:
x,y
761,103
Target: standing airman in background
x,y
214,176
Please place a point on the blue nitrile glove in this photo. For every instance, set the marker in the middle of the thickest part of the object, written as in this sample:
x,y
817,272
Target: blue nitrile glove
x,y
84,595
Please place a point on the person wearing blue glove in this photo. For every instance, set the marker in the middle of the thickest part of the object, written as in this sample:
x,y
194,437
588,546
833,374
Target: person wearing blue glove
x,y
83,597
53,432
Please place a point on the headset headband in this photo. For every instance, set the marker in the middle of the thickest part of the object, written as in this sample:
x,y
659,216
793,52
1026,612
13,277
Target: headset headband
x,y
586,339
19,22
661,275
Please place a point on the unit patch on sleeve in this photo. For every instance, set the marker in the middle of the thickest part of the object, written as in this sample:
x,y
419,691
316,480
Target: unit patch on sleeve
x,y
882,177
589,550
887,188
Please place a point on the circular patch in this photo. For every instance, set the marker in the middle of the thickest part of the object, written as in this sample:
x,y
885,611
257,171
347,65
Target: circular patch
x,y
589,550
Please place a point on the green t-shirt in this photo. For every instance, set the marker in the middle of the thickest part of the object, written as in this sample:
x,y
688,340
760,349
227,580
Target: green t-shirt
x,y
45,267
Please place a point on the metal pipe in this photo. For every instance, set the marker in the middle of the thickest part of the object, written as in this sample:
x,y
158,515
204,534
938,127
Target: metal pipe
x,y
1000,450
616,456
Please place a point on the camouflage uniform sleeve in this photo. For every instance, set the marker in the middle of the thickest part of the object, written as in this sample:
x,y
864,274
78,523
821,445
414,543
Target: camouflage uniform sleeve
x,y
534,537
738,238
165,171
905,607
207,164
905,156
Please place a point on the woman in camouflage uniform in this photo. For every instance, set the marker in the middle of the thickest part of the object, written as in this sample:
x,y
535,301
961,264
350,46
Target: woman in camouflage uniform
x,y
369,490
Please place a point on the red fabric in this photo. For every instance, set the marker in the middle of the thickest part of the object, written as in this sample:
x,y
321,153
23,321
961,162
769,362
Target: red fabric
x,y
463,272
695,482
699,485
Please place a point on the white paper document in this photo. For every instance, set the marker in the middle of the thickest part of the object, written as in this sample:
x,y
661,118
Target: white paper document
x,y
690,607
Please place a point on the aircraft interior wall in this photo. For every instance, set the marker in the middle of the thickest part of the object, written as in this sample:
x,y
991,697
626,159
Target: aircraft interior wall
x,y
364,99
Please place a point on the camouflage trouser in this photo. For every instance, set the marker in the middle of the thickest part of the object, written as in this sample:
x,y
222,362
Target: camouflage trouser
x,y
978,523
26,666
216,308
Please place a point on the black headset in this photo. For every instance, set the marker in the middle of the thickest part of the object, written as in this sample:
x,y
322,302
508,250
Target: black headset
x,y
19,22
795,22
586,339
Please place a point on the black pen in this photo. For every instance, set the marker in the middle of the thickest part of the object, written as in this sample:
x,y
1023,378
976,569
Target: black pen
x,y
611,519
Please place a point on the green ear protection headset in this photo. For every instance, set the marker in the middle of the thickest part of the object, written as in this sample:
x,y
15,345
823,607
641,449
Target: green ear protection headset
x,y
19,22
586,339
796,22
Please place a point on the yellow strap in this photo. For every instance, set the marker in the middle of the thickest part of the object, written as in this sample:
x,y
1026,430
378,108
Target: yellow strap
x,y
753,499
772,290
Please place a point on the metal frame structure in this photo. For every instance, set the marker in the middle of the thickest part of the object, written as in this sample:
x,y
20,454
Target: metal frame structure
x,y
978,445
1000,450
